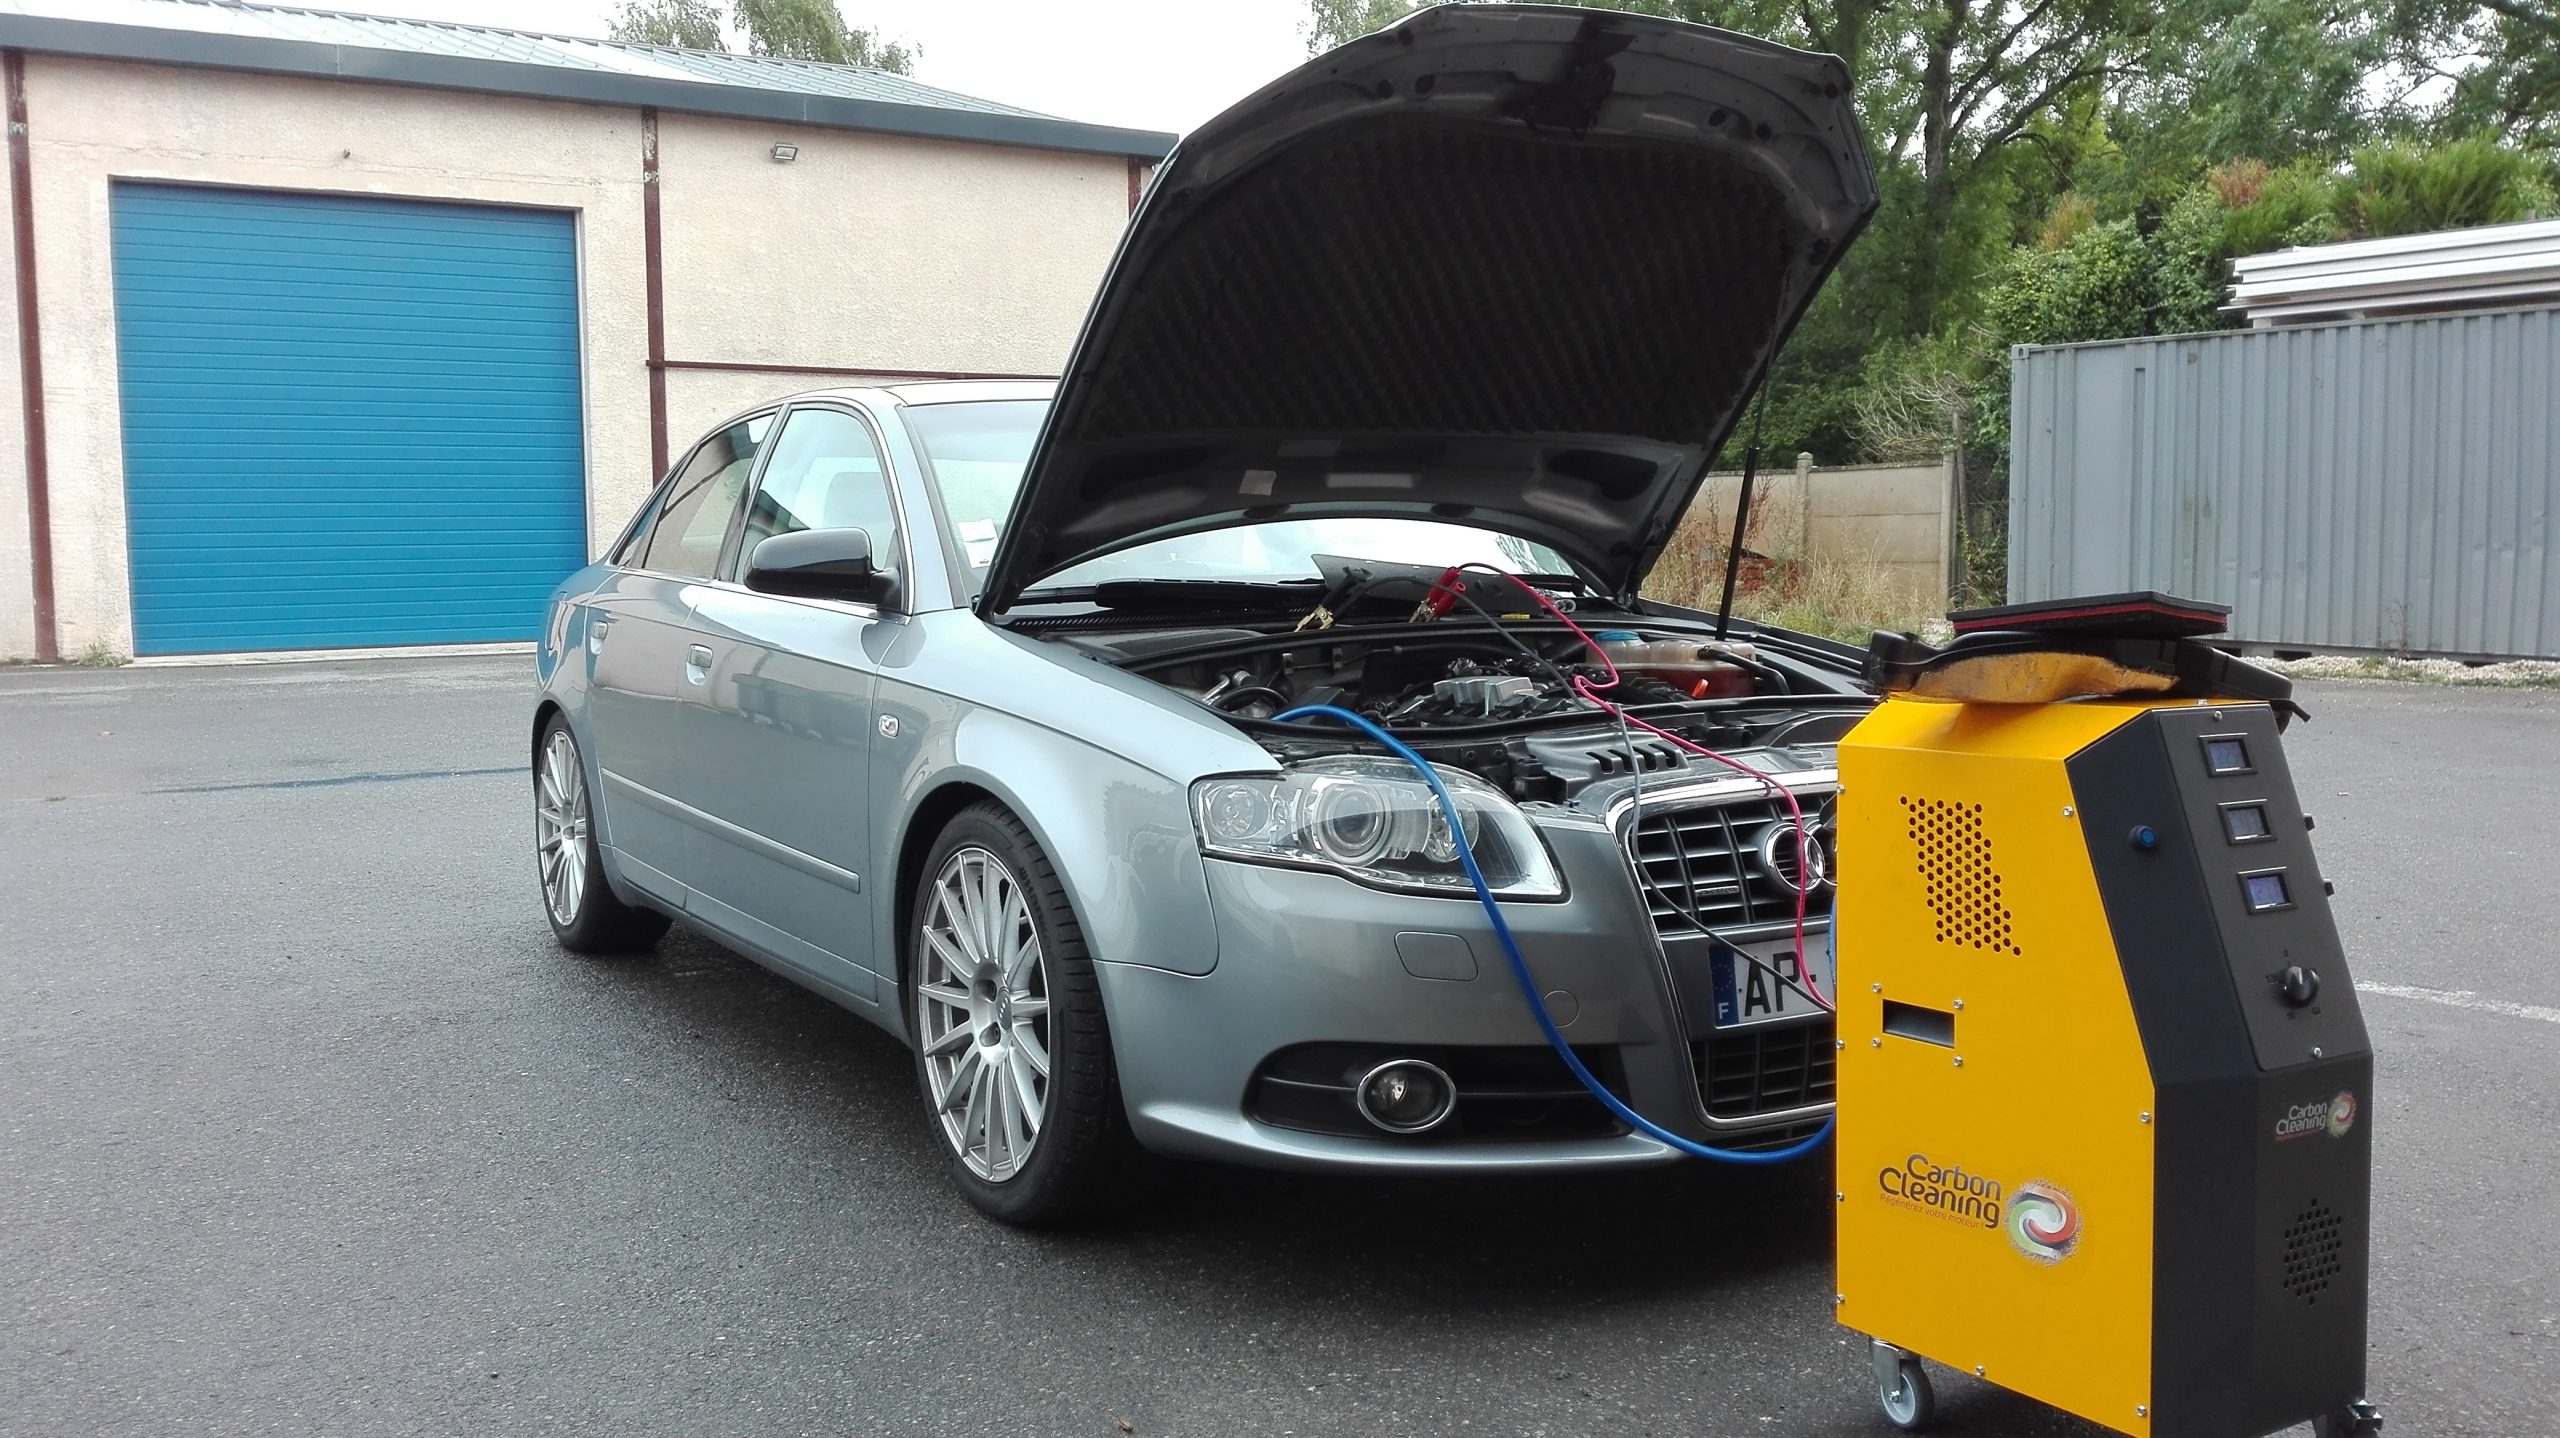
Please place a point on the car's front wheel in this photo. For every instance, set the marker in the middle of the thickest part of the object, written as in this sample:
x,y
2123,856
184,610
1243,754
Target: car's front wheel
x,y
1012,1052
585,916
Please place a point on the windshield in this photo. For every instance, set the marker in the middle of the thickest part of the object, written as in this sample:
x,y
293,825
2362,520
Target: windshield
x,y
977,449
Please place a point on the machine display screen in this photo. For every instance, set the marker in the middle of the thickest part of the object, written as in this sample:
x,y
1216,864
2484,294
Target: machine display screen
x,y
2266,891
2226,756
2246,823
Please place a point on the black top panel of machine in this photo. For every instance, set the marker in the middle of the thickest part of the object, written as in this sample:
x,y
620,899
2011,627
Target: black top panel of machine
x,y
2143,614
2193,824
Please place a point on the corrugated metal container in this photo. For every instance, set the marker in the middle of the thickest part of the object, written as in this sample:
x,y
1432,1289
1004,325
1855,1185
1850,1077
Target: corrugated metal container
x,y
2384,485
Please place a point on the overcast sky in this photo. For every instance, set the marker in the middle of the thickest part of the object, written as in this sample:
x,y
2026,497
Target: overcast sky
x,y
1153,64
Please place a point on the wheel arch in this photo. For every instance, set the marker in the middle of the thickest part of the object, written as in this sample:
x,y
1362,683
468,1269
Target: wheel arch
x,y
924,825
549,709
543,713
1108,836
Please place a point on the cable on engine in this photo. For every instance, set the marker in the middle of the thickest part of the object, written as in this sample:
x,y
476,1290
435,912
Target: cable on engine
x,y
1583,686
1458,588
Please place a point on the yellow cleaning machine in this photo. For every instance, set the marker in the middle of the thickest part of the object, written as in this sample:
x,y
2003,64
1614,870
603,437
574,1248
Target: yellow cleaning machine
x,y
2104,1091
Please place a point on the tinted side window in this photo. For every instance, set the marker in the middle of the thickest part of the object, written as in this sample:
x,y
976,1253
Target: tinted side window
x,y
693,519
825,474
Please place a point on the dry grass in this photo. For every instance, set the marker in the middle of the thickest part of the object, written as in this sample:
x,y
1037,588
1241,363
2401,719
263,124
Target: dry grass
x,y
1844,597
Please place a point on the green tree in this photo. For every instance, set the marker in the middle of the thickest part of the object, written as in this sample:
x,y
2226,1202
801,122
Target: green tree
x,y
2405,190
792,29
690,24
2272,80
2501,57
1337,22
816,30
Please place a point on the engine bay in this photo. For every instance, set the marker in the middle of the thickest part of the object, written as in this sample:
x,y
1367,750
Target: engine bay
x,y
1499,697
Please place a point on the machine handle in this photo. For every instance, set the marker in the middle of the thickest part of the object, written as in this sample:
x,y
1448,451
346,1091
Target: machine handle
x,y
1916,1021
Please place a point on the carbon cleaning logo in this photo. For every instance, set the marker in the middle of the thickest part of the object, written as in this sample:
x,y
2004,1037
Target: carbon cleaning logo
x,y
2043,1222
2039,1217
2333,1118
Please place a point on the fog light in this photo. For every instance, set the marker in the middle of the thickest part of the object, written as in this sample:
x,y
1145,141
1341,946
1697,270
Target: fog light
x,y
1406,1096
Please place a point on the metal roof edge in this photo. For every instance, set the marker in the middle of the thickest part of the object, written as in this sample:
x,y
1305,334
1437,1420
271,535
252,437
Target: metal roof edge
x,y
102,40
2018,352
2545,228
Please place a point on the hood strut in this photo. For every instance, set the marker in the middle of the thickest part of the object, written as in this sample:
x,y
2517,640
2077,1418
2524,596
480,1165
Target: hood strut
x,y
1742,502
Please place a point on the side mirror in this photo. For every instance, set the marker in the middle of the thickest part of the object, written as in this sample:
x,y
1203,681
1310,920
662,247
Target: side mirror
x,y
819,564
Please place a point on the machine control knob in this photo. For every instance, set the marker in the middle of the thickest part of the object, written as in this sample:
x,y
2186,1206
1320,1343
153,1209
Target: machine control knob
x,y
2298,986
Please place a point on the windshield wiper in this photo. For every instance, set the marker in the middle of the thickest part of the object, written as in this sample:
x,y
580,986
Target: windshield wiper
x,y
1182,593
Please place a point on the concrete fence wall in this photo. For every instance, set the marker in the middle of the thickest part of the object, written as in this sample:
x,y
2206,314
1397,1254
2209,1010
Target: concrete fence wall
x,y
1900,517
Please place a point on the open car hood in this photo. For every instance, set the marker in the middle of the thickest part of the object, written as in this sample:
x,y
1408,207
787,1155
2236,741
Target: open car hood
x,y
1517,266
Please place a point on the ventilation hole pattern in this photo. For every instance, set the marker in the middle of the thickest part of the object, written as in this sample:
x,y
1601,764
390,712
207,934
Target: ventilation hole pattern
x,y
2314,1250
1956,869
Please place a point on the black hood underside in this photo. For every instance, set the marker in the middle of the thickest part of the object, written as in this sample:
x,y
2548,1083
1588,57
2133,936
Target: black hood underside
x,y
1516,266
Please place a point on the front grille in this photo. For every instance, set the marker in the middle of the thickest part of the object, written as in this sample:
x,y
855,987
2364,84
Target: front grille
x,y
1505,1093
1703,865
1766,1069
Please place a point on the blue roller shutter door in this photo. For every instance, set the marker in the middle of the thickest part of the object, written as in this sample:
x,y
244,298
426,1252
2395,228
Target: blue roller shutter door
x,y
347,422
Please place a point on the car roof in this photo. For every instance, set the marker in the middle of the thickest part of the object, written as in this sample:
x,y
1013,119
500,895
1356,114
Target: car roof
x,y
954,391
913,392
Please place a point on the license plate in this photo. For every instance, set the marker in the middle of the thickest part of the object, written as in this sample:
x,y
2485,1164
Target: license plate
x,y
1772,989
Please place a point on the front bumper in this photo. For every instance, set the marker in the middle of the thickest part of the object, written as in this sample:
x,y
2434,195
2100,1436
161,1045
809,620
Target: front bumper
x,y
1310,958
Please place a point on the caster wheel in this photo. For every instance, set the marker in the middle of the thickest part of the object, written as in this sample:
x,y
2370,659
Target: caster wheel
x,y
2357,1420
1906,1398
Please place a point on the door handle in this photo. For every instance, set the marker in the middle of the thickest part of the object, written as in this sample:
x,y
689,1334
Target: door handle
x,y
598,621
697,663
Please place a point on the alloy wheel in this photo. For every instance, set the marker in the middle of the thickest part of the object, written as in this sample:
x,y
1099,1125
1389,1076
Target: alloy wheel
x,y
982,1011
560,828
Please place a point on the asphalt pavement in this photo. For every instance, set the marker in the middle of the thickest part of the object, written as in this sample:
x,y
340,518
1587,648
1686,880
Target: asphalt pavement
x,y
306,1127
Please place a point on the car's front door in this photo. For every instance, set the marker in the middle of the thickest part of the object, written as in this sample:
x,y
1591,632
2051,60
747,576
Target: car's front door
x,y
783,748
649,669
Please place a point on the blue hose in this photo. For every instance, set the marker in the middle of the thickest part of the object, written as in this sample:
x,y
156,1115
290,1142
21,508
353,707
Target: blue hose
x,y
1528,982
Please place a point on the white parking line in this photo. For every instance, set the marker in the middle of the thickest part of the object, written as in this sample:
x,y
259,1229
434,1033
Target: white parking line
x,y
2461,999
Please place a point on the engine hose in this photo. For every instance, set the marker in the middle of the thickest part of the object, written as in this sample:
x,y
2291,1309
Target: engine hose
x,y
1520,965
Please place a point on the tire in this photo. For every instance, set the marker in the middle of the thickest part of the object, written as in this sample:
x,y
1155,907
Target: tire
x,y
1910,1403
585,915
1027,1147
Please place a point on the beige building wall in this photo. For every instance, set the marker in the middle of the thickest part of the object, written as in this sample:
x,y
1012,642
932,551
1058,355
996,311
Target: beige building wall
x,y
93,122
17,571
868,252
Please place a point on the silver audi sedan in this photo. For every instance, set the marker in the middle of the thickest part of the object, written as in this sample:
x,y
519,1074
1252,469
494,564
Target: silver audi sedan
x,y
974,706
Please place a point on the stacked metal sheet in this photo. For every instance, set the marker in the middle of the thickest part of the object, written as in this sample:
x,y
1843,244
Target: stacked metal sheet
x,y
2493,266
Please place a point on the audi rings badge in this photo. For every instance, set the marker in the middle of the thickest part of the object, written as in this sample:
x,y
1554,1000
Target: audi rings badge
x,y
1794,856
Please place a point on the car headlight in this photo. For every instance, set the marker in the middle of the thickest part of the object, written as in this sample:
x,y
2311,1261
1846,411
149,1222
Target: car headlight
x,y
1373,819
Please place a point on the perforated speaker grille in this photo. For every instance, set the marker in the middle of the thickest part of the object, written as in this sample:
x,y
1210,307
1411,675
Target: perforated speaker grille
x,y
1954,857
2314,1250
